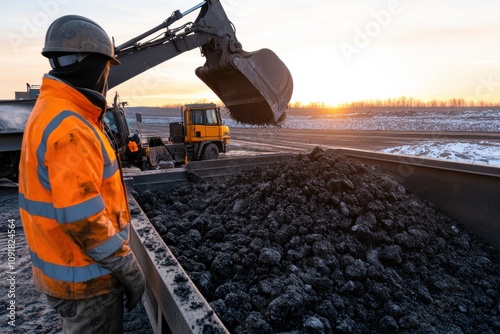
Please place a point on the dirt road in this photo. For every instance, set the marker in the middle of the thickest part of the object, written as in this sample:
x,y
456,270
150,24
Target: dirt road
x,y
272,139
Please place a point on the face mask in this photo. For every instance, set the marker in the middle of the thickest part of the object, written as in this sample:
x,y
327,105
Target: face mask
x,y
91,73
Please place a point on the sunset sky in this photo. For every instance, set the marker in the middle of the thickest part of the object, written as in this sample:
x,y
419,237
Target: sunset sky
x,y
336,50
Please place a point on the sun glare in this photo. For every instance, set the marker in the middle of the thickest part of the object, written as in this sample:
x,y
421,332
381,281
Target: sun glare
x,y
366,79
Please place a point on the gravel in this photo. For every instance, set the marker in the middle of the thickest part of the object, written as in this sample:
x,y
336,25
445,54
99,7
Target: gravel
x,y
320,243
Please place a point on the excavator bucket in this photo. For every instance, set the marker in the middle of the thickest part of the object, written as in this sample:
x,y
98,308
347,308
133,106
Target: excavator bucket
x,y
256,87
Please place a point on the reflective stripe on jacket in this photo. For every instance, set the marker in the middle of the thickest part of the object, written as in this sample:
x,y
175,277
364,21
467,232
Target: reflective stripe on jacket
x,y
71,196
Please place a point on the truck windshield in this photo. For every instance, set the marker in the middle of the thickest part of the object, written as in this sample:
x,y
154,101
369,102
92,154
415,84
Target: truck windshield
x,y
211,117
110,121
197,117
204,117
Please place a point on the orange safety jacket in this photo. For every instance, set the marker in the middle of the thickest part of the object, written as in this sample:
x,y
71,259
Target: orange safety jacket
x,y
72,199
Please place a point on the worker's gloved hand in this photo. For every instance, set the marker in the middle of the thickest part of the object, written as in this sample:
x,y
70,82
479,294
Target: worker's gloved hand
x,y
131,277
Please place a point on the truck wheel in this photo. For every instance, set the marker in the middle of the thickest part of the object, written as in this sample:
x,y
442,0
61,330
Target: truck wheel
x,y
211,152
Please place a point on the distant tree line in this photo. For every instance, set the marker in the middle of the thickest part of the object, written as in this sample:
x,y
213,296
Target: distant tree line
x,y
402,101
315,105
405,101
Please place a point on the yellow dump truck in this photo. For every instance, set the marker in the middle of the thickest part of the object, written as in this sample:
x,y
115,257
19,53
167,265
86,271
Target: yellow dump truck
x,y
201,135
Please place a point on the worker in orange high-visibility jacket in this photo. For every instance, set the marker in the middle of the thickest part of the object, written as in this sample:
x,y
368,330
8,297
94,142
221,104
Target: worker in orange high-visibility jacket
x,y
72,199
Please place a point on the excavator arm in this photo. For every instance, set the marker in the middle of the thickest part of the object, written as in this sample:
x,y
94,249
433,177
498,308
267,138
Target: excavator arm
x,y
255,86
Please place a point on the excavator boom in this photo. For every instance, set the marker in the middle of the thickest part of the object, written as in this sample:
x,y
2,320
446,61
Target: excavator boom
x,y
255,86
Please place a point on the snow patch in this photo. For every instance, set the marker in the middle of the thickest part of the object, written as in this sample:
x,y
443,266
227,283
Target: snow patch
x,y
484,152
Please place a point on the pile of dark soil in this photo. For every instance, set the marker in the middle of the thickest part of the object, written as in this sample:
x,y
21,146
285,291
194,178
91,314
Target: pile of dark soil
x,y
321,243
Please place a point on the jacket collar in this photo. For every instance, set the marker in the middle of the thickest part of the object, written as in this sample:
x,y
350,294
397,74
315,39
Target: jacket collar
x,y
84,100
